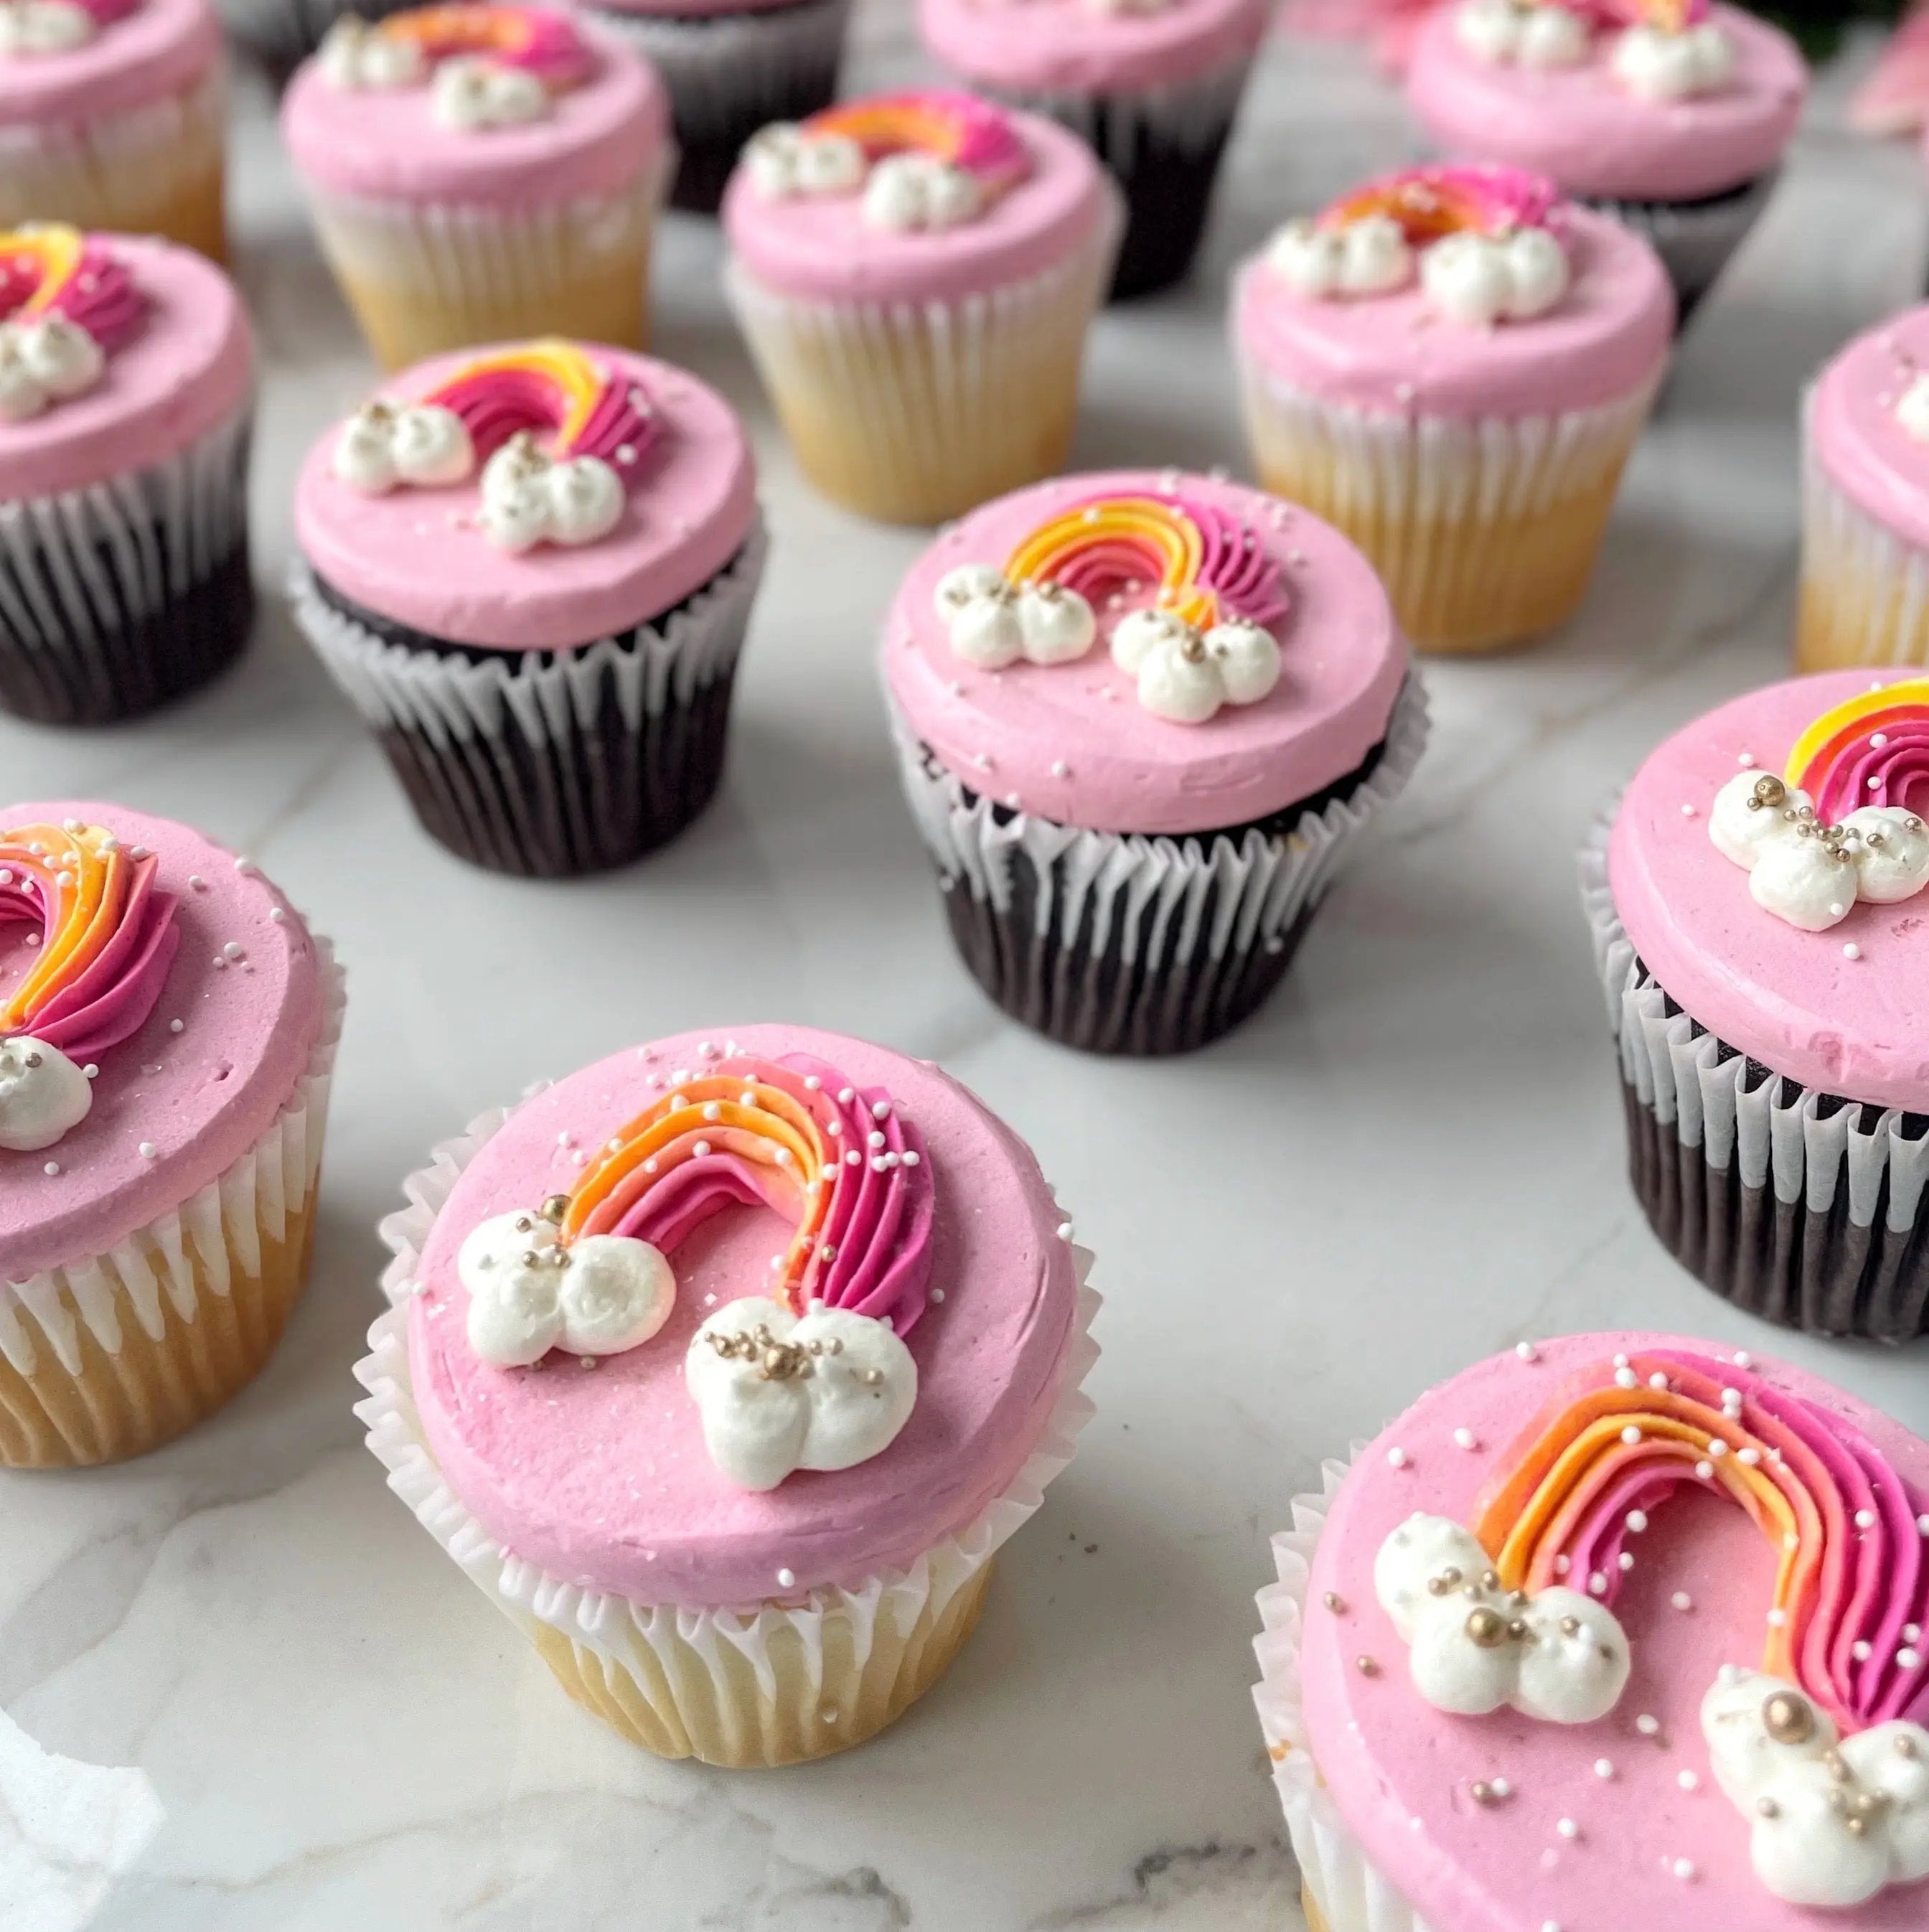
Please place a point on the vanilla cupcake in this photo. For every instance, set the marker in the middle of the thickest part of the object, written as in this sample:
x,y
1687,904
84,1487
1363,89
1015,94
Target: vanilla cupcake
x,y
838,1327
168,1028
480,172
915,274
1453,364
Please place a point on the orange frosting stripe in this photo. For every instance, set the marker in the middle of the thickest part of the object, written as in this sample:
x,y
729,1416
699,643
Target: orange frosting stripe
x,y
83,877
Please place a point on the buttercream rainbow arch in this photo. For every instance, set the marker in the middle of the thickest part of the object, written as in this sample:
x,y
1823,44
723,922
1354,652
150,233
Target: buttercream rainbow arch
x,y
1208,568
958,129
1872,750
1851,1565
49,269
106,938
530,39
1429,204
555,390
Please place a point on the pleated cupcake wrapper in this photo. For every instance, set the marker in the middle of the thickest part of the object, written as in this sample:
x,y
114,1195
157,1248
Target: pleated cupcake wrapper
x,y
1797,1209
916,412
155,168
809,1654
1865,590
118,596
1484,529
1695,239
1340,1881
729,74
1122,943
210,1249
424,275
524,737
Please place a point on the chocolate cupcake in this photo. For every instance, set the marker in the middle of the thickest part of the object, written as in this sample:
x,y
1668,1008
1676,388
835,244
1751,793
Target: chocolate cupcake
x,y
532,572
1141,718
1763,932
126,390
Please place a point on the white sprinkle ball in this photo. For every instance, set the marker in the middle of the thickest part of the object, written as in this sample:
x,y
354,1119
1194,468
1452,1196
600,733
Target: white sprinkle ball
x,y
51,1167
1465,1438
1688,1781
786,1578
1527,1351
1648,1727
1682,1600
1567,1828
1851,951
1637,1521
1603,1767
148,1149
1630,1435
1396,1458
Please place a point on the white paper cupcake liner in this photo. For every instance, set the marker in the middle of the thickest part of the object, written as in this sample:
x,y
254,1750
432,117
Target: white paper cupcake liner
x,y
1803,1207
423,277
112,1353
1484,529
917,412
729,74
1865,590
120,596
1122,943
838,1629
153,168
1349,1893
1695,239
552,762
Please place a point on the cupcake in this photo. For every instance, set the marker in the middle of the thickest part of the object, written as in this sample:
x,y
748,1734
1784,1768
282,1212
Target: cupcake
x,y
1140,719
167,1028
1865,520
531,571
765,1525
1152,85
113,115
915,274
480,172
1617,1630
1671,114
731,68
1762,926
126,383
1454,365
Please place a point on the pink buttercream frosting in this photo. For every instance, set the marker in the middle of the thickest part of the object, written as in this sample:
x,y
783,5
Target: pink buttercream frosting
x,y
1609,336
604,1479
1077,47
200,1097
1071,742
174,372
821,247
1794,1000
416,557
1400,1772
1853,433
599,138
1585,127
160,49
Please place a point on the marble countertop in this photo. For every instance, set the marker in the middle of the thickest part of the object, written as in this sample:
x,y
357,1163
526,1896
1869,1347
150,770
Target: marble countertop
x,y
306,1719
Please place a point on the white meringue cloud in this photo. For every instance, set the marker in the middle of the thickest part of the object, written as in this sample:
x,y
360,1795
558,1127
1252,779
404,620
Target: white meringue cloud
x,y
1810,875
1187,675
1517,33
1368,257
383,447
29,27
1659,65
785,162
911,192
1474,1647
992,622
354,57
528,499
779,1393
44,1095
1481,279
1835,1820
45,360
603,1294
471,93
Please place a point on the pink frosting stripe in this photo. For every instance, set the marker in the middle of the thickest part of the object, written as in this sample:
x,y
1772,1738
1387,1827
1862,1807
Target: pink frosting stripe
x,y
1583,127
1793,1000
97,294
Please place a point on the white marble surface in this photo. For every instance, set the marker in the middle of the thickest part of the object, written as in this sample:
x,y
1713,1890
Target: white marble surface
x,y
311,1723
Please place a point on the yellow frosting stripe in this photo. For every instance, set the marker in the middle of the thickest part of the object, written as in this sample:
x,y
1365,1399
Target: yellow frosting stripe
x,y
1167,538
80,880
1867,707
54,249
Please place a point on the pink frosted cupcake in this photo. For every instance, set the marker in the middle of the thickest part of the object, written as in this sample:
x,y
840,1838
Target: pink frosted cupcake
x,y
1761,918
481,172
532,572
1865,524
1616,1631
127,385
1453,364
731,67
1152,85
839,1326
1671,114
1141,718
915,274
167,1029
113,115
